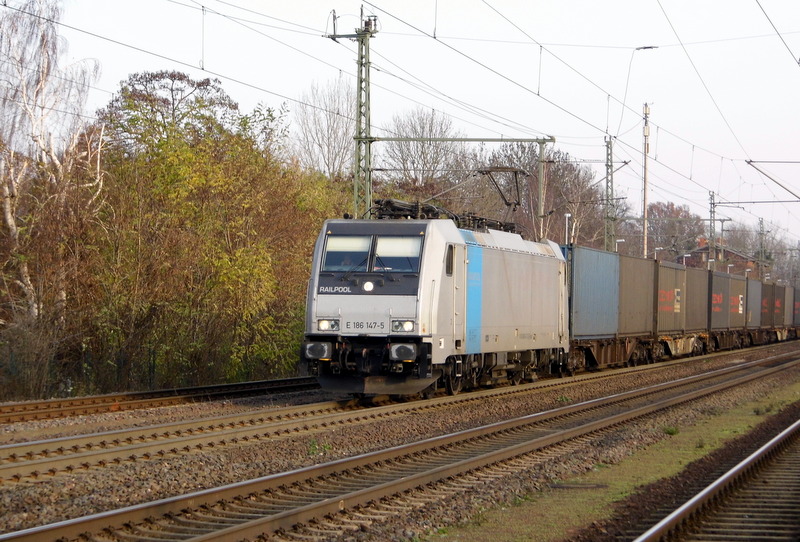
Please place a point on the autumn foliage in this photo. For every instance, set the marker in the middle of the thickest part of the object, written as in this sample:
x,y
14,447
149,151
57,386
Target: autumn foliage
x,y
188,267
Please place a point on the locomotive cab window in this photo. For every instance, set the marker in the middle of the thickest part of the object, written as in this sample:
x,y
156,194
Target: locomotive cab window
x,y
347,253
449,260
397,254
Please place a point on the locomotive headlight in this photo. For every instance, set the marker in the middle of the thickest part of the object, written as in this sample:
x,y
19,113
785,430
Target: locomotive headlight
x,y
315,350
368,286
402,352
328,325
402,325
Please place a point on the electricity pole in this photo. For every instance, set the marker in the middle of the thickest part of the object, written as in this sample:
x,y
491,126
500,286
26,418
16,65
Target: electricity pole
x,y
362,182
610,221
762,254
712,232
646,133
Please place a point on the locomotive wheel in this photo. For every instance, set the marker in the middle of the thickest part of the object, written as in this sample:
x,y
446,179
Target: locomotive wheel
x,y
452,383
516,377
471,377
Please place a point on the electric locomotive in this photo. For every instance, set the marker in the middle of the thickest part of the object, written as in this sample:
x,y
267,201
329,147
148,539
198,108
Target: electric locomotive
x,y
407,306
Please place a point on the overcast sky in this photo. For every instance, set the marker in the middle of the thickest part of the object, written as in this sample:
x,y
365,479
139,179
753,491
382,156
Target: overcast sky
x,y
721,76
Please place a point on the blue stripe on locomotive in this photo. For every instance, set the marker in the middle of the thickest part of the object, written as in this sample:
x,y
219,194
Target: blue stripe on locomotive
x,y
474,297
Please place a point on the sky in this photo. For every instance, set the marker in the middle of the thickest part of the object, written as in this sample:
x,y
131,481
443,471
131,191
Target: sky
x,y
721,78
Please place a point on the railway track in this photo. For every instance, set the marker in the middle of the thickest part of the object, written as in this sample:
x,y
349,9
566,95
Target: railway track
x,y
757,500
443,464
39,459
59,408
12,412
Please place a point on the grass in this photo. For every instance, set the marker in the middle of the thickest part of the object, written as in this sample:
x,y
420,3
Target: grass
x,y
552,515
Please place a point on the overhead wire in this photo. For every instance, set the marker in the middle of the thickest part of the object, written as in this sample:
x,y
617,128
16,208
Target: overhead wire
x,y
794,58
485,112
178,61
589,80
463,104
683,46
487,67
558,106
702,81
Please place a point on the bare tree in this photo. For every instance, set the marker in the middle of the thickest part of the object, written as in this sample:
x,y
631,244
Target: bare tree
x,y
46,160
569,188
325,129
422,166
673,228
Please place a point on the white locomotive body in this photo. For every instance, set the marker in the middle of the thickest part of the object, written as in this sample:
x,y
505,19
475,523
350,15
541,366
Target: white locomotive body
x,y
405,306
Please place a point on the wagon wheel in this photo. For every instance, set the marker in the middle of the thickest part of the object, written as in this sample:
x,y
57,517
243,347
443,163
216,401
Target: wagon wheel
x,y
637,356
658,351
452,380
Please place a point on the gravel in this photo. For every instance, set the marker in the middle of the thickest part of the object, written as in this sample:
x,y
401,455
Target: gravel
x,y
635,514
46,500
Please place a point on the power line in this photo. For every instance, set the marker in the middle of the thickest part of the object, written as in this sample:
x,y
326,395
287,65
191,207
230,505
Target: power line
x,y
177,61
472,109
794,58
489,68
624,105
699,76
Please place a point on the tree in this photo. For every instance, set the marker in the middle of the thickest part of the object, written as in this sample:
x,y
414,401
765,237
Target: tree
x,y
203,263
673,228
568,188
421,167
156,107
50,185
325,129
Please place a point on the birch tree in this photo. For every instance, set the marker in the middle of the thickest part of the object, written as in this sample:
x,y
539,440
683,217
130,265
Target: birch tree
x,y
45,171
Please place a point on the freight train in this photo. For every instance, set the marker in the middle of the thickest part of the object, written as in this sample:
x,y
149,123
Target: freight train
x,y
412,305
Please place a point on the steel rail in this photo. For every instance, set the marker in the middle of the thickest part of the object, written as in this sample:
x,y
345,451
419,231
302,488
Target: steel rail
x,y
33,458
679,521
115,402
11,412
66,454
389,472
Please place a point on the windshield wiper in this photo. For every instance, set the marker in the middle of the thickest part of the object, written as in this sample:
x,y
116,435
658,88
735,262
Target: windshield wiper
x,y
385,270
346,275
